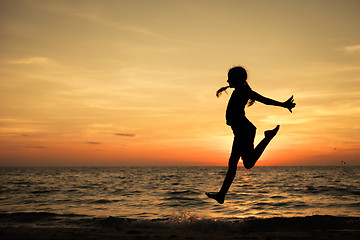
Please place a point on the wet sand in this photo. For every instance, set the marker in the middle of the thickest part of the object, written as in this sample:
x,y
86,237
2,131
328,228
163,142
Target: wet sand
x,y
274,228
137,233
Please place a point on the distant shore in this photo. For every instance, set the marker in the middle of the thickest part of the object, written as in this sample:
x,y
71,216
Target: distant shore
x,y
312,227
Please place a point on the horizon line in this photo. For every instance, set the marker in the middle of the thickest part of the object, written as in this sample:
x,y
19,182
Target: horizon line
x,y
114,166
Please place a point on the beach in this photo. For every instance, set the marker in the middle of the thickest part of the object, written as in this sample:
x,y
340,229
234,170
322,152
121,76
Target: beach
x,y
311,227
169,203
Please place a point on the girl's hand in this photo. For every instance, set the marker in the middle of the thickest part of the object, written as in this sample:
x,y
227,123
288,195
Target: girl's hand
x,y
289,104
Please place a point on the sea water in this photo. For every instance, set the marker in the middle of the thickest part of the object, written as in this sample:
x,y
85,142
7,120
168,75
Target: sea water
x,y
169,192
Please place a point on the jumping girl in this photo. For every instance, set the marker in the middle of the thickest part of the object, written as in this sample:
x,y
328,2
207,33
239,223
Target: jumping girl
x,y
244,131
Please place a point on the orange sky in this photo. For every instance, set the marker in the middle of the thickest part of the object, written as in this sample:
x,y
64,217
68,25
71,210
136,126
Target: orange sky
x,y
133,82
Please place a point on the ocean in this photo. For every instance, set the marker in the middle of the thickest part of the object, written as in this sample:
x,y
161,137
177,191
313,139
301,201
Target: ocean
x,y
83,195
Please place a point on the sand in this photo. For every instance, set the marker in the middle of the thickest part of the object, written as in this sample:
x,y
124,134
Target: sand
x,y
275,228
138,233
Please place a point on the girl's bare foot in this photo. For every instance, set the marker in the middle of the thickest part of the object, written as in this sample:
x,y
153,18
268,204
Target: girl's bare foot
x,y
271,133
217,196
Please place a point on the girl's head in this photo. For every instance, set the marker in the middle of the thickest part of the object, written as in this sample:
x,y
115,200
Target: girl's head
x,y
237,77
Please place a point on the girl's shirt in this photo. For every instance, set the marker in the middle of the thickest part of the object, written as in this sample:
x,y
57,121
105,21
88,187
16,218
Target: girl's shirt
x,y
235,111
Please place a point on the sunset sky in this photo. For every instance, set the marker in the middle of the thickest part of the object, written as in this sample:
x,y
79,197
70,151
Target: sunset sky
x,y
100,83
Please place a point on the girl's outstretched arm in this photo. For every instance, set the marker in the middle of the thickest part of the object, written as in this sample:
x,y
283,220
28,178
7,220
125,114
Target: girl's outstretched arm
x,y
289,104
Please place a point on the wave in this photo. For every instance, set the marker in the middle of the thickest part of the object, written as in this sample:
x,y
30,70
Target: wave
x,y
44,219
103,201
181,221
26,216
184,192
173,223
45,191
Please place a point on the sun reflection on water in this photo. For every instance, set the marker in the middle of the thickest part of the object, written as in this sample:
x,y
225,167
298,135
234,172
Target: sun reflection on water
x,y
178,193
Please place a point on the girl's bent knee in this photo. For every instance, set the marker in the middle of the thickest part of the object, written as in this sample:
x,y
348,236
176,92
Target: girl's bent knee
x,y
248,163
248,166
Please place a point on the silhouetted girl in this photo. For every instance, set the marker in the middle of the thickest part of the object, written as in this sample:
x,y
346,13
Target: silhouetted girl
x,y
244,131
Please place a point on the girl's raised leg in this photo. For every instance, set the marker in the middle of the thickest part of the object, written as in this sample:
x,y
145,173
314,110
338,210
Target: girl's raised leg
x,y
250,158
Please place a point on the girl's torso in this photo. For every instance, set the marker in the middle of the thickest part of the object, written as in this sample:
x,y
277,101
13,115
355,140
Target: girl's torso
x,y
235,112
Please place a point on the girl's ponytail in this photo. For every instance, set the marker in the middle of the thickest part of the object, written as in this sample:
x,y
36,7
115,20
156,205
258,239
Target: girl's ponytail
x,y
218,92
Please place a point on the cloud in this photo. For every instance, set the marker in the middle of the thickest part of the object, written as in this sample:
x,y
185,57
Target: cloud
x,y
36,147
103,21
31,61
125,134
352,49
93,15
94,143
